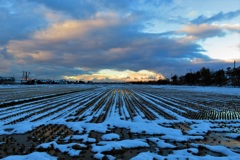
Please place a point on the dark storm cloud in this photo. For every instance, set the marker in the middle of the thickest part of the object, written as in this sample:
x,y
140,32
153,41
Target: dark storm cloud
x,y
82,9
217,17
76,8
117,50
4,54
52,71
18,20
117,45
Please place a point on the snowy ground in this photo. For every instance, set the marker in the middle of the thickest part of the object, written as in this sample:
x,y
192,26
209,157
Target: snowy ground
x,y
119,122
218,90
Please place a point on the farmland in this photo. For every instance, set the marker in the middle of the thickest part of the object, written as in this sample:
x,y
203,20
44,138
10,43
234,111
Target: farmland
x,y
119,122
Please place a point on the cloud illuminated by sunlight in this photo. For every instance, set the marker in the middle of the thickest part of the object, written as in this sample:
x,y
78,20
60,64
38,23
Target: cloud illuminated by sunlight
x,y
109,75
225,49
73,29
116,40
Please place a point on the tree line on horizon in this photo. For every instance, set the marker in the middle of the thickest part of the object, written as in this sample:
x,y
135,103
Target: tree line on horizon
x,y
203,77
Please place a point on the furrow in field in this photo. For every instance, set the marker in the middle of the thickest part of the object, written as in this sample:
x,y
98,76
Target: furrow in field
x,y
111,107
99,108
132,111
160,111
160,108
122,105
84,111
169,102
25,92
105,108
116,112
142,107
37,110
207,105
24,110
95,110
153,112
74,114
74,102
32,106
71,110
64,110
163,109
26,100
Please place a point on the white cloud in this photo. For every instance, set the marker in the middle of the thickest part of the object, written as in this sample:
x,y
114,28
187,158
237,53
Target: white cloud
x,y
222,48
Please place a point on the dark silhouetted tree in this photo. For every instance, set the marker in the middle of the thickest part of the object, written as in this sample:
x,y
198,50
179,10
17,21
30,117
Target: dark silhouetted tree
x,y
174,79
236,76
191,79
163,81
206,77
219,78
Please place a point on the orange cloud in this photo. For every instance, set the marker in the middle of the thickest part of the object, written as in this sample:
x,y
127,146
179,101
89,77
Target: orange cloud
x,y
203,30
74,29
198,29
42,55
40,45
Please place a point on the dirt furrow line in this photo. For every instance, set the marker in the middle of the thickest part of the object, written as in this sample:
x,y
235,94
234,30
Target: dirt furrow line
x,y
74,107
123,107
99,108
216,110
9,104
42,110
79,114
168,101
45,101
26,108
58,112
149,115
158,110
105,108
132,109
128,106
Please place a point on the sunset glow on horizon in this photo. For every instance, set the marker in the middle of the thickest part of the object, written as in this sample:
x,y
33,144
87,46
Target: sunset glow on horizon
x,y
107,75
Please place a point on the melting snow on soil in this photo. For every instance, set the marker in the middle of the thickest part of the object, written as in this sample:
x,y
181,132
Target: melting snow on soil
x,y
119,122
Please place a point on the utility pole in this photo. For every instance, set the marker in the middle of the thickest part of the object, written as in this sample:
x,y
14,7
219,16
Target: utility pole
x,y
25,76
234,73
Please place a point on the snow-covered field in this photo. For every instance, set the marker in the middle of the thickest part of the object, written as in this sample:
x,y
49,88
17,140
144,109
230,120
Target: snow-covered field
x,y
119,122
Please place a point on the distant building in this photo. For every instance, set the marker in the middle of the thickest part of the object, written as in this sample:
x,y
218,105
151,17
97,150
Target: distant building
x,y
43,81
7,80
48,81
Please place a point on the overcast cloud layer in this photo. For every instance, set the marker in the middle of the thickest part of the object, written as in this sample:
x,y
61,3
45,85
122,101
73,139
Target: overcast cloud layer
x,y
145,39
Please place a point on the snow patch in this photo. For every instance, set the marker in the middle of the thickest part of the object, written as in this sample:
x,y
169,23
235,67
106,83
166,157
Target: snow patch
x,y
118,145
34,155
110,136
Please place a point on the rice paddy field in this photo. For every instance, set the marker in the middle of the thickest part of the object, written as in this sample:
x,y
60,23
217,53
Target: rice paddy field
x,y
119,122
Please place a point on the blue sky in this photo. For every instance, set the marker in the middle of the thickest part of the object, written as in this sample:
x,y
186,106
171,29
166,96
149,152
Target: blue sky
x,y
108,40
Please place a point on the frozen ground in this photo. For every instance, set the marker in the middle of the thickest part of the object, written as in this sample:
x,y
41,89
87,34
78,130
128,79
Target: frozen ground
x,y
119,122
206,89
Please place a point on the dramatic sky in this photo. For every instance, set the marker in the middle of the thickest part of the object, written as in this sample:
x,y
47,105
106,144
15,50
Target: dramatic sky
x,y
117,40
